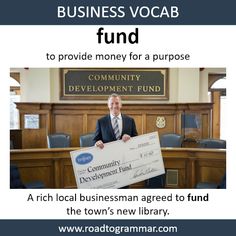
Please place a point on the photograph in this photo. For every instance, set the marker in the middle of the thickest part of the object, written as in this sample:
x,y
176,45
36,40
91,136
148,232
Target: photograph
x,y
108,128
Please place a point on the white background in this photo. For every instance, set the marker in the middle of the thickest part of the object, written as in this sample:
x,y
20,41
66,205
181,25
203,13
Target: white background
x,y
26,46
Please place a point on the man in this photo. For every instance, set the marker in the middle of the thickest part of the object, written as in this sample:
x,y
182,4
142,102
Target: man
x,y
107,130
114,126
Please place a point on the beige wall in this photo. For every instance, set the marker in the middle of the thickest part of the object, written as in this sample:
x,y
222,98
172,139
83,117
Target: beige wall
x,y
35,84
188,89
185,85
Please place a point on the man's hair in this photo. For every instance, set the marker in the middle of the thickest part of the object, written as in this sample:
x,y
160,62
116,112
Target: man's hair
x,y
114,95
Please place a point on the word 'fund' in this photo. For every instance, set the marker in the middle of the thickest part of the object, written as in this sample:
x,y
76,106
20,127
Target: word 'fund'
x,y
119,37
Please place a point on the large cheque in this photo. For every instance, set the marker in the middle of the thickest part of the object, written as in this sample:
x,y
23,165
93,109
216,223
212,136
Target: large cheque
x,y
119,163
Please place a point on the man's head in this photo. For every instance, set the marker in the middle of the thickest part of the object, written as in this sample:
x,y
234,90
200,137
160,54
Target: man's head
x,y
114,104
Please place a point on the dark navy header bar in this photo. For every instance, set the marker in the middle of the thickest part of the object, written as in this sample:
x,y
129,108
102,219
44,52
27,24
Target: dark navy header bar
x,y
121,12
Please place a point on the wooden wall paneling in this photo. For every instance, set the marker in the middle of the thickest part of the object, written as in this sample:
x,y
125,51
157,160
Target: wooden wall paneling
x,y
68,177
85,122
137,185
144,123
170,123
92,120
32,138
191,173
71,124
76,119
178,121
57,173
151,123
37,170
182,173
180,167
216,114
210,172
206,125
206,169
138,118
50,121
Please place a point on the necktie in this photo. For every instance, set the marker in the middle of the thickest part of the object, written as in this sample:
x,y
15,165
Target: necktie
x,y
116,128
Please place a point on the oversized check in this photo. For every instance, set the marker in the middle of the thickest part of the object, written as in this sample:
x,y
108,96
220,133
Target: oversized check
x,y
119,163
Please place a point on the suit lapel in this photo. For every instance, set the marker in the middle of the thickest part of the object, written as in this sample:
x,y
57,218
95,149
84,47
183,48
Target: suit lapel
x,y
123,125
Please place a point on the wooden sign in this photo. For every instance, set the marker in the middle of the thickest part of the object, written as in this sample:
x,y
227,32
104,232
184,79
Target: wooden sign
x,y
99,83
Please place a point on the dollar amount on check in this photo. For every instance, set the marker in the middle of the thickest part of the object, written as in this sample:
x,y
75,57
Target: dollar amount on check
x,y
119,163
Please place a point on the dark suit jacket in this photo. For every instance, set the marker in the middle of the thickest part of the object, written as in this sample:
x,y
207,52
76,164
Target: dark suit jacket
x,y
105,132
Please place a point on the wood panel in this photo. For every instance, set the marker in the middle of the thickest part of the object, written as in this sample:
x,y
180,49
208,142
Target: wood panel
x,y
54,168
32,138
72,125
209,172
91,121
216,114
170,123
139,123
37,169
67,180
77,119
206,126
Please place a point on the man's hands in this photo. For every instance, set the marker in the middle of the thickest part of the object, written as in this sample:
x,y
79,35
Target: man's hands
x,y
126,137
100,143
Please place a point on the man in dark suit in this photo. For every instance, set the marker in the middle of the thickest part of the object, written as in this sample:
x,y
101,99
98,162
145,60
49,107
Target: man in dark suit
x,y
114,126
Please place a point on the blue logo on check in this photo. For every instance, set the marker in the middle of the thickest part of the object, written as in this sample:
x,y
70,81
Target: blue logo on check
x,y
84,158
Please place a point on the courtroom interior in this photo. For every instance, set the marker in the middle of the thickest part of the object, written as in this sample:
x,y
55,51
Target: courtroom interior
x,y
54,111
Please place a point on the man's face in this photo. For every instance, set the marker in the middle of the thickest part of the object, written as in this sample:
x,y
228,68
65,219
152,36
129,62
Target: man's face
x,y
114,105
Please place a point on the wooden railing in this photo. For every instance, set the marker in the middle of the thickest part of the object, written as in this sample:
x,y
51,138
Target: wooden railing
x,y
184,166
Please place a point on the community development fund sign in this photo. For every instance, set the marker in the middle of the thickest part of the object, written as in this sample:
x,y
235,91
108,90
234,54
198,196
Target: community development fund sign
x,y
148,84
